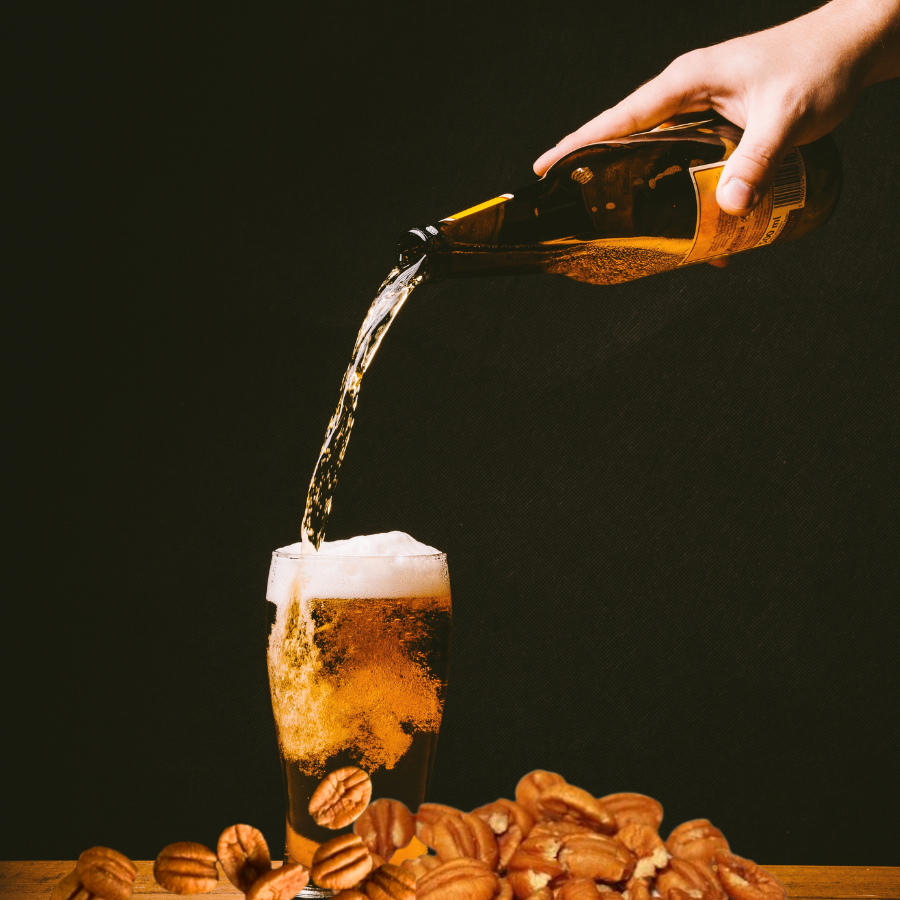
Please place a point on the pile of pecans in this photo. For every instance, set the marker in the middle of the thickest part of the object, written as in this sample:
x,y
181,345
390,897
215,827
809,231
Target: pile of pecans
x,y
555,841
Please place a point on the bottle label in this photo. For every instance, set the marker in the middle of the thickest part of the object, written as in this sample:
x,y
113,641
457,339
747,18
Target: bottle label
x,y
719,234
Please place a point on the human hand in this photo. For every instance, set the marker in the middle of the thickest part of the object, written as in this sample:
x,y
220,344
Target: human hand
x,y
786,86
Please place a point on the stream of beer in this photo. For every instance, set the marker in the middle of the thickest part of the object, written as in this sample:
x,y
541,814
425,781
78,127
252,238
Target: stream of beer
x,y
390,297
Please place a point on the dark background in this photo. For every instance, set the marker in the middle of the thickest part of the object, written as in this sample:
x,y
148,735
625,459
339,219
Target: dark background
x,y
671,508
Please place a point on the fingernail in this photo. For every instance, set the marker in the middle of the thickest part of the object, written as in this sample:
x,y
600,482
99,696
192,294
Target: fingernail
x,y
738,194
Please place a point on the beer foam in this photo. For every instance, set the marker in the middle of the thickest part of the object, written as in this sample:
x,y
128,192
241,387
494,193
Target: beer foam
x,y
389,565
391,543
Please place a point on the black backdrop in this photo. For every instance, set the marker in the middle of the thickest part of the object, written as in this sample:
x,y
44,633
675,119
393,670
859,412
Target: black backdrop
x,y
671,508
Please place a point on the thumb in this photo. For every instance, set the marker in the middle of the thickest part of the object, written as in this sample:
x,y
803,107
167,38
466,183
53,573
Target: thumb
x,y
749,171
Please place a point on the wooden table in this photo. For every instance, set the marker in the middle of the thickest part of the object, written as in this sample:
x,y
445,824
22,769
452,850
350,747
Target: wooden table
x,y
35,879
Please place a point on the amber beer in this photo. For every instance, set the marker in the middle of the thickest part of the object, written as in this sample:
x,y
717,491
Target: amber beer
x,y
358,656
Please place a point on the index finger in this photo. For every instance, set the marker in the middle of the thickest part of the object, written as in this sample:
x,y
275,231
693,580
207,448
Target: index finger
x,y
675,90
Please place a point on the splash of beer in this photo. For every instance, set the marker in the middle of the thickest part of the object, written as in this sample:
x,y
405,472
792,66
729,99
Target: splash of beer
x,y
391,296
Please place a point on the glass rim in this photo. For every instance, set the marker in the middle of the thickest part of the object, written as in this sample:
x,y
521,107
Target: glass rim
x,y
283,554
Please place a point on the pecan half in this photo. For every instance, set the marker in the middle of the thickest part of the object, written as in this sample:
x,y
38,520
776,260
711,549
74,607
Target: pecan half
x,y
584,889
186,868
106,873
503,813
511,824
459,879
546,828
572,804
629,807
695,878
385,826
647,847
427,816
637,889
341,863
598,857
698,840
389,882
534,864
341,797
545,893
465,836
71,888
532,784
743,879
420,865
244,855
352,894
280,884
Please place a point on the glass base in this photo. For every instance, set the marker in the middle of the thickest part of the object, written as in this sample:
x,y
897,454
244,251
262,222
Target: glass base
x,y
311,892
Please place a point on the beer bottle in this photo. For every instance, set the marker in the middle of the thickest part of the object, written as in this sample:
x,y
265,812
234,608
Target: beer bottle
x,y
622,209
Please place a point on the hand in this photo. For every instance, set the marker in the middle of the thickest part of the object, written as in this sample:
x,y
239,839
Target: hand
x,y
786,86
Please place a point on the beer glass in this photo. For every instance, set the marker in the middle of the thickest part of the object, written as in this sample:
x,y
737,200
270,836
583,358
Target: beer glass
x,y
358,655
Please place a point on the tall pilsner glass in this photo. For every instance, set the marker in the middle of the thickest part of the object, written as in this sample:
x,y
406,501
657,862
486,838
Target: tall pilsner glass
x,y
358,656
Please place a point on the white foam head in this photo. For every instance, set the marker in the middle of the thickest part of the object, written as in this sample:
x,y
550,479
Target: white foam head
x,y
373,565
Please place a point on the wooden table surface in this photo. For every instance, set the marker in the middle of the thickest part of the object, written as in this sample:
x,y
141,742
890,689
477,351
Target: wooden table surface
x,y
35,879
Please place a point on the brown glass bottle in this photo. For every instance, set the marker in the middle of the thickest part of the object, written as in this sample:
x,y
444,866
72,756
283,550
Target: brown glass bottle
x,y
627,208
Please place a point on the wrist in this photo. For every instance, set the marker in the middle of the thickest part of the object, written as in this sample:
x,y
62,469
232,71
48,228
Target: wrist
x,y
872,28
886,49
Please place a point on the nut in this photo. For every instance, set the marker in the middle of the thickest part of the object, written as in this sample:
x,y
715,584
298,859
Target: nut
x,y
71,888
572,804
349,895
634,808
534,864
385,826
545,893
583,889
244,855
421,865
637,889
546,828
532,784
186,868
697,840
341,797
503,813
465,836
341,863
647,847
106,873
743,879
696,879
459,879
511,824
427,816
598,857
389,882
280,884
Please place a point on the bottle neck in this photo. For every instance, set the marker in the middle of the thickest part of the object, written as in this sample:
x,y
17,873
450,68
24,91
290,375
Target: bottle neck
x,y
448,260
